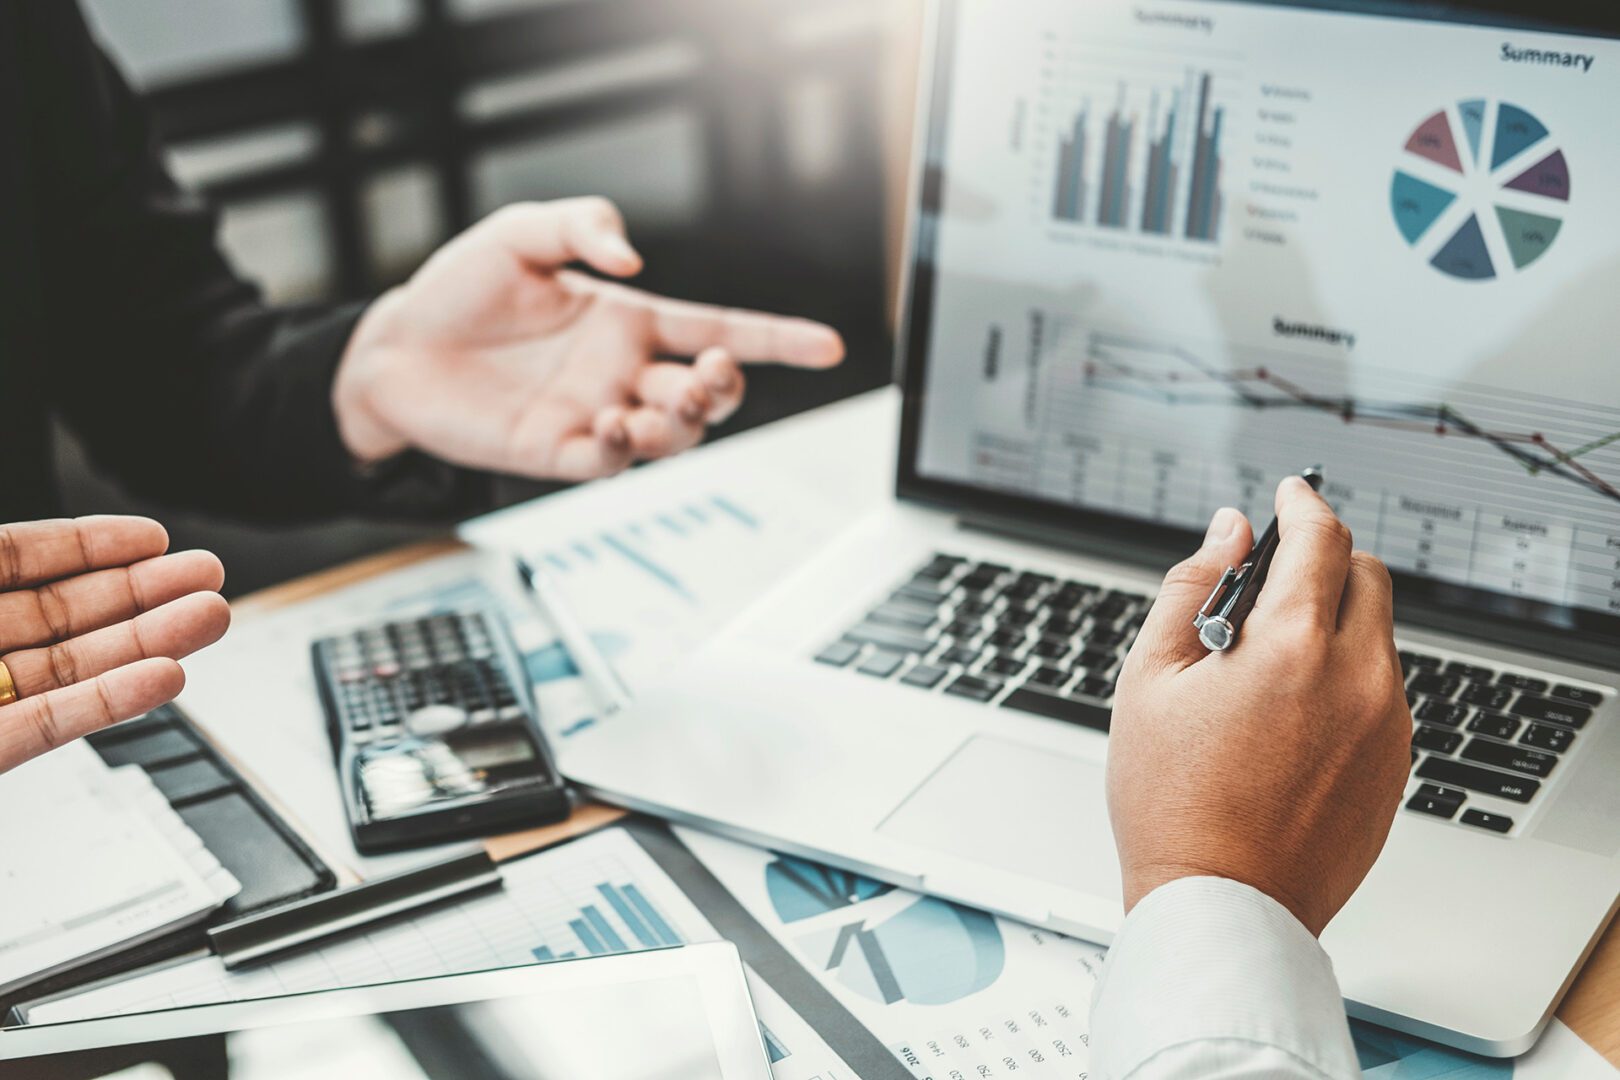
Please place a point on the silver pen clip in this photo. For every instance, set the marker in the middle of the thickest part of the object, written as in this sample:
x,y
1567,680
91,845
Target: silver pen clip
x,y
1213,621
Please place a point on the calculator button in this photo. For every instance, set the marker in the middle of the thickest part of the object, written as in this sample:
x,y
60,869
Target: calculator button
x,y
434,720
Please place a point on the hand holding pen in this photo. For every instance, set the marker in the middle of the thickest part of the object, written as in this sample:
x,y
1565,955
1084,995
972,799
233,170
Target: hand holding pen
x,y
1222,615
1307,719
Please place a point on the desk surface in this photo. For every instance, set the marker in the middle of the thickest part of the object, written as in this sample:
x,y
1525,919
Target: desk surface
x,y
1591,1009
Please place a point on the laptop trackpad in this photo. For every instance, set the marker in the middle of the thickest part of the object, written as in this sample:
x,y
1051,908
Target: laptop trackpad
x,y
1019,809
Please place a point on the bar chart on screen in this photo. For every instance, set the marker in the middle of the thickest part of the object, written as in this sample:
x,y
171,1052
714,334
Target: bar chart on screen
x,y
1139,143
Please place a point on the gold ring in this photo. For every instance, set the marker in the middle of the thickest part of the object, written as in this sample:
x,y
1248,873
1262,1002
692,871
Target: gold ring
x,y
8,689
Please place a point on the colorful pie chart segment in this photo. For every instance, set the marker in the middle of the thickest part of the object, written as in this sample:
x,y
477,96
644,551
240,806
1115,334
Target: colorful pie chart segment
x,y
1529,236
1465,254
1548,177
1433,140
1463,226
1516,132
1473,118
1417,205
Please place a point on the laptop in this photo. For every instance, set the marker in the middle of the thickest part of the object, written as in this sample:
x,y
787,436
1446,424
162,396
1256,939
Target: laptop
x,y
1162,254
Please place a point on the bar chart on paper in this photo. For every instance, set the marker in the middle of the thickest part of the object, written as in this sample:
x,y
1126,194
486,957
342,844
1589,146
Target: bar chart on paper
x,y
653,583
599,895
1139,144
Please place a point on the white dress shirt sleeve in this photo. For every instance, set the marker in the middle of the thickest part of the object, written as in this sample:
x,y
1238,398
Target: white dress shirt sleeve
x,y
1210,979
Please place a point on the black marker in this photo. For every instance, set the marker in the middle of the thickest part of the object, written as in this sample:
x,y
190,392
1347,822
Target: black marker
x,y
1222,615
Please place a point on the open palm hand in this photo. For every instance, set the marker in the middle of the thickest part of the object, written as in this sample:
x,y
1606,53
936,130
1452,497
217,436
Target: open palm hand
x,y
495,356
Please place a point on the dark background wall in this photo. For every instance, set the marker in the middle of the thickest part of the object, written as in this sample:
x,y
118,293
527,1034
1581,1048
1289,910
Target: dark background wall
x,y
744,140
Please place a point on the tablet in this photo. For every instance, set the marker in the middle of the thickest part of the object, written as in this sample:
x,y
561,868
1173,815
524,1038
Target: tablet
x,y
673,1014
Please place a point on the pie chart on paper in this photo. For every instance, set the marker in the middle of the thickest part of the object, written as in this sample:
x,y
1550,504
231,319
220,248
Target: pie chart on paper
x,y
1482,190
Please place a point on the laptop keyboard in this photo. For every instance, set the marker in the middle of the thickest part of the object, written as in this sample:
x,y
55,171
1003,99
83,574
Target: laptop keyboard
x,y
1480,731
987,632
1052,647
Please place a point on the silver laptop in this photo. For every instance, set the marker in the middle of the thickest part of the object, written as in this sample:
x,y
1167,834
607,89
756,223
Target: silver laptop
x,y
1163,254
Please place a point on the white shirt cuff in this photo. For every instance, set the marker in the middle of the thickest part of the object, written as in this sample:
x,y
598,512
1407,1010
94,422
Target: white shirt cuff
x,y
1207,960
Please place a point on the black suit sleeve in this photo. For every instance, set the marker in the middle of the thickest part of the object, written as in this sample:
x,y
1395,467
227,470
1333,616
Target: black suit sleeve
x,y
180,380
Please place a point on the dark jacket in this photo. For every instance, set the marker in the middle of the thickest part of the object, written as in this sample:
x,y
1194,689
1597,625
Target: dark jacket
x,y
119,315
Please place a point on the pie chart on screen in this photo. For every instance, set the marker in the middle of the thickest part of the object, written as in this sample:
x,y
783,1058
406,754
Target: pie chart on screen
x,y
1482,190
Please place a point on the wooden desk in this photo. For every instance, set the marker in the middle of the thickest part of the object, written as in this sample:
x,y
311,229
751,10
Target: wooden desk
x,y
1592,1008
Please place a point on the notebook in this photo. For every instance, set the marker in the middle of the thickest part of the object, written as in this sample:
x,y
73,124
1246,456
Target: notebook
x,y
93,860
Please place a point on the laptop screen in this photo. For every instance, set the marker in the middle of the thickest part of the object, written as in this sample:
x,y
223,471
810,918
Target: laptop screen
x,y
1173,250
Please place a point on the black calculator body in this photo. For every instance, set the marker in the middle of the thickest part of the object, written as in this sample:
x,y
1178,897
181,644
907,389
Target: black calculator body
x,y
435,732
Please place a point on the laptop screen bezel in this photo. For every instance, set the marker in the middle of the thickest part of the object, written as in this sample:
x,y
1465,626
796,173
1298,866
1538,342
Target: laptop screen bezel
x,y
1552,629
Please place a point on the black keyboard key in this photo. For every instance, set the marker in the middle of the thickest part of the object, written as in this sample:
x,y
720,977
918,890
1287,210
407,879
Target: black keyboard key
x,y
1426,804
972,609
1495,725
1470,671
1061,626
1049,676
882,664
1038,581
1577,695
1436,740
1554,712
1092,686
1517,758
1054,707
1051,649
1411,661
1522,682
1547,737
1097,661
1432,685
1441,712
1486,696
889,637
965,629
838,654
925,676
1484,781
1108,614
1005,639
1493,822
1015,618
961,654
904,616
1106,639
1005,666
921,594
971,686
940,568
1435,791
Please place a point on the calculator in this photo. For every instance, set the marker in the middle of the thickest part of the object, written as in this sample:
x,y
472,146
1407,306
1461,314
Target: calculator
x,y
435,732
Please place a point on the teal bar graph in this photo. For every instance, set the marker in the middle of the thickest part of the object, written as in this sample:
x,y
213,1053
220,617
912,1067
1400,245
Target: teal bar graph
x,y
650,913
628,923
587,937
610,937
638,927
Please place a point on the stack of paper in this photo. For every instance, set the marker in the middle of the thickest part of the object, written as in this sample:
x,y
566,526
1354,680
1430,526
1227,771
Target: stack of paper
x,y
94,861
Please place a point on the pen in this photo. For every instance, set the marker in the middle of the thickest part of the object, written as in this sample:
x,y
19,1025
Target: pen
x,y
1222,615
597,671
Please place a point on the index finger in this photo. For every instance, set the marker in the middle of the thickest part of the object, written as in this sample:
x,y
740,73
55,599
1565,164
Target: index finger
x,y
686,329
35,552
1307,575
